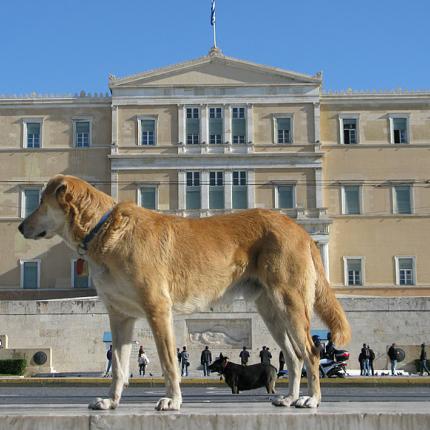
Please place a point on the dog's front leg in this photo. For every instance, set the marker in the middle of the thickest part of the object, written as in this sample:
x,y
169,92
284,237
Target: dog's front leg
x,y
122,336
161,322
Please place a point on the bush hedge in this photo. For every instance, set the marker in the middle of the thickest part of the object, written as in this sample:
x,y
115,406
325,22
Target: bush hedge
x,y
12,367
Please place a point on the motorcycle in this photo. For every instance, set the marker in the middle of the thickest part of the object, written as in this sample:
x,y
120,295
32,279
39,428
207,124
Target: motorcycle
x,y
332,361
330,368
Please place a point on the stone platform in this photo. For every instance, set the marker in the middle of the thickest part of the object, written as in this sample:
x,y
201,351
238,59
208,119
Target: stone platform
x,y
247,416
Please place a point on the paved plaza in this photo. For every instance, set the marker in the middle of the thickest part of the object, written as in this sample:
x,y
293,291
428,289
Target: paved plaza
x,y
344,406
249,416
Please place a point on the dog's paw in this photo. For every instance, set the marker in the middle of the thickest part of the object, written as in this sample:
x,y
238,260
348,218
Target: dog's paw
x,y
168,404
306,402
283,401
102,404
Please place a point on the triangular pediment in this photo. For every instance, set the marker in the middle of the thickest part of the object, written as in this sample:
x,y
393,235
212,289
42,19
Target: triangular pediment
x,y
214,70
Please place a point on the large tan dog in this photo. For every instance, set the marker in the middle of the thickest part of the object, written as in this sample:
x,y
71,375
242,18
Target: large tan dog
x,y
144,263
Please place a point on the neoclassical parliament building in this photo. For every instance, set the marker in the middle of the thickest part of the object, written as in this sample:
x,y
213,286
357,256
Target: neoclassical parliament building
x,y
219,134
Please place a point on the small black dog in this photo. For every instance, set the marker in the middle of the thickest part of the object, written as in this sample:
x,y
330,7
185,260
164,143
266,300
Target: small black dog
x,y
240,378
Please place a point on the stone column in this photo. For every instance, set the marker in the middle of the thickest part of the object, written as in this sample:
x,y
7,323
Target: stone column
x,y
249,124
228,189
318,188
204,132
204,189
114,184
317,115
227,124
325,258
251,188
181,125
114,134
182,183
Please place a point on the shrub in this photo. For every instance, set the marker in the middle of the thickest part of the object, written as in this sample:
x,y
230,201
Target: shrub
x,y
12,367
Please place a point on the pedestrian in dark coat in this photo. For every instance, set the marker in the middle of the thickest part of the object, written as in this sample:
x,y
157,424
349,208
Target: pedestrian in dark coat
x,y
392,355
109,360
244,356
365,356
265,355
206,360
281,360
372,357
361,361
423,360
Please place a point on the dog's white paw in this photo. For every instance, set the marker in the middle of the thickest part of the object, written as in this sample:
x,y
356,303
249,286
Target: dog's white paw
x,y
283,401
168,404
306,402
102,404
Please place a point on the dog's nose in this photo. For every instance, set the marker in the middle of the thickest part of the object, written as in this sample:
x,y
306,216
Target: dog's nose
x,y
21,228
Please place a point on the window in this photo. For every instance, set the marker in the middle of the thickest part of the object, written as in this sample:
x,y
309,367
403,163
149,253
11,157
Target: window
x,y
349,131
353,267
147,197
81,133
83,280
30,199
32,134
351,200
216,190
193,200
283,127
216,127
238,125
192,126
399,130
405,271
402,202
147,132
285,197
30,274
240,190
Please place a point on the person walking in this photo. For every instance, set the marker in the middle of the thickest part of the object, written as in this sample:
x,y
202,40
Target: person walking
x,y
244,356
109,360
185,361
365,353
392,355
178,354
281,360
371,359
142,360
206,360
423,360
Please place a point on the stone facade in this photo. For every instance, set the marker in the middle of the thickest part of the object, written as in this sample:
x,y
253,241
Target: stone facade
x,y
74,331
278,129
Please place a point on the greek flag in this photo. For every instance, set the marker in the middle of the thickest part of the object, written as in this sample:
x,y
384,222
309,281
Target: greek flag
x,y
213,12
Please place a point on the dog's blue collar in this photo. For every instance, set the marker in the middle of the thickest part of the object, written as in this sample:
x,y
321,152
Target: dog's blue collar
x,y
83,246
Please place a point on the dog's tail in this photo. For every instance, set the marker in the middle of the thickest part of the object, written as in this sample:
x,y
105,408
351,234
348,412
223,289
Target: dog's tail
x,y
326,304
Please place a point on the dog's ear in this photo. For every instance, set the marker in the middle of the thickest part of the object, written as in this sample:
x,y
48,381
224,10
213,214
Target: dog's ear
x,y
57,187
220,355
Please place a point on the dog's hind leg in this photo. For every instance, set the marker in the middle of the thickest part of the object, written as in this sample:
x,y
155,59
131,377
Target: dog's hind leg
x,y
122,337
276,322
297,319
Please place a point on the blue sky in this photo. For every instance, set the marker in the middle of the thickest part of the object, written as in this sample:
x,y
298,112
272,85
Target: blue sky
x,y
71,45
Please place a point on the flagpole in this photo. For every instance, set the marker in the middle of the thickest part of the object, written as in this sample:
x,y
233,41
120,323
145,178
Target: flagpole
x,y
214,35
213,20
